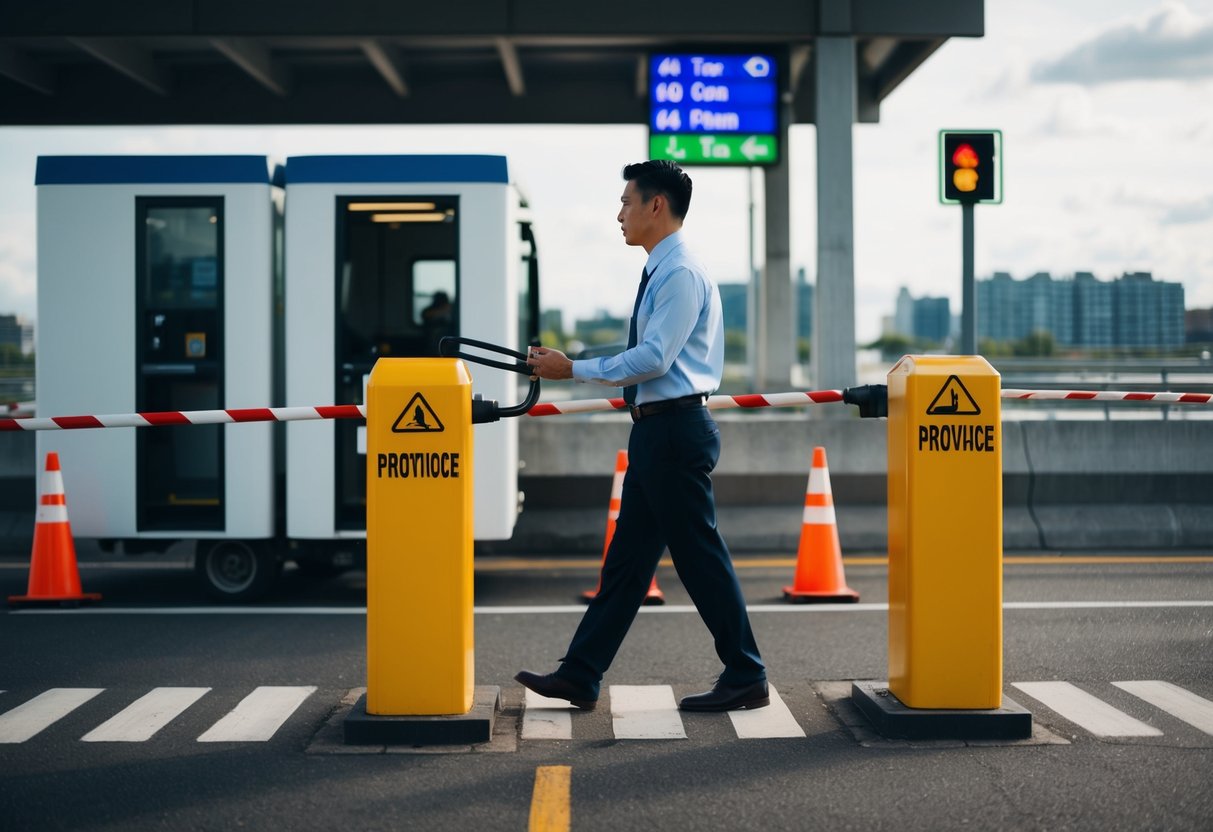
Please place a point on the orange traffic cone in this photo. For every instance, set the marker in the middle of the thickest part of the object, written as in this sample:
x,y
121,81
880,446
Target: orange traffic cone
x,y
819,576
654,597
53,575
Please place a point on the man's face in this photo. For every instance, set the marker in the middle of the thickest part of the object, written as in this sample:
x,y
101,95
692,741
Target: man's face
x,y
636,217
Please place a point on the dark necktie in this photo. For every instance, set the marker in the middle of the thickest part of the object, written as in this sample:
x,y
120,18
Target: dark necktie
x,y
629,392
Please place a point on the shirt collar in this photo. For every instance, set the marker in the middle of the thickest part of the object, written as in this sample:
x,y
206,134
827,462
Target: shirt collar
x,y
662,250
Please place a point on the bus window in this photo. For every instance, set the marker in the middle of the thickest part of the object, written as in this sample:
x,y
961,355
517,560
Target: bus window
x,y
435,300
528,289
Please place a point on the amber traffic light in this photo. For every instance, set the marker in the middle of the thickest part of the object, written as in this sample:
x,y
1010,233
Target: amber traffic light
x,y
969,167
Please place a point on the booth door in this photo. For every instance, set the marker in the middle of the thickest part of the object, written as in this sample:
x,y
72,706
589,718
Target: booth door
x,y
179,361
397,282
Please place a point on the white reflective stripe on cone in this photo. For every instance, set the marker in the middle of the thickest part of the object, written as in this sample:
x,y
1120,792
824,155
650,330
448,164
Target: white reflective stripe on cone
x,y
819,481
819,515
51,514
52,482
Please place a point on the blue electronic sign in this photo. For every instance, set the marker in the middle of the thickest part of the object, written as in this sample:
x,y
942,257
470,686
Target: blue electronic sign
x,y
718,94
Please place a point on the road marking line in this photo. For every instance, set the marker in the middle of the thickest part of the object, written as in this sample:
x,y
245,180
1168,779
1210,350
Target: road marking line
x,y
595,564
775,720
45,709
645,712
140,720
1179,703
258,716
546,718
523,564
1086,711
550,810
579,609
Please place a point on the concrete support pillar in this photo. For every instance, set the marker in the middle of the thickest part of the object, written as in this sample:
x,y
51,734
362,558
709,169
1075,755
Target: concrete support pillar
x,y
777,334
834,301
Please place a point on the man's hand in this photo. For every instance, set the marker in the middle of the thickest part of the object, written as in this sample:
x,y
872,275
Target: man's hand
x,y
550,364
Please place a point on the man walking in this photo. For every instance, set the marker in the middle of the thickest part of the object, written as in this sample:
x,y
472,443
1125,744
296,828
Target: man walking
x,y
674,360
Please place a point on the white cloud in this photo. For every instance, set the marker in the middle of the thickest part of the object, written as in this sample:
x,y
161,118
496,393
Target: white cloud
x,y
1171,43
16,268
1195,211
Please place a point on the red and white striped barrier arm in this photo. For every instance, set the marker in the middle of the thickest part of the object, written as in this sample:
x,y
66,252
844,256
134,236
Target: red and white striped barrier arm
x,y
1108,396
357,411
188,417
749,400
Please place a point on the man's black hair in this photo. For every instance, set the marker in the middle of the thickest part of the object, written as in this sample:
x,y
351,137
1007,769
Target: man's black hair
x,y
661,176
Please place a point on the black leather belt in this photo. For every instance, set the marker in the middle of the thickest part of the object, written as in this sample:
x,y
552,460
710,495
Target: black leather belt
x,y
639,411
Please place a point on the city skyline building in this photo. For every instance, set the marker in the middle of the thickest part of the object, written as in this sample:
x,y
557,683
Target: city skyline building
x,y
1134,310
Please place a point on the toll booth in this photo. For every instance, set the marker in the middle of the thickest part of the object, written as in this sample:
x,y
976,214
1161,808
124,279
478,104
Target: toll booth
x,y
385,256
155,293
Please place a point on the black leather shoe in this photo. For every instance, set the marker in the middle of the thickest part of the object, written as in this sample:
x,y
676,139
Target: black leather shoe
x,y
725,698
554,687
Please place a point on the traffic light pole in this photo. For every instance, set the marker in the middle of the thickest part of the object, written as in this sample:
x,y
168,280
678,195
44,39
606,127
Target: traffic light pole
x,y
968,298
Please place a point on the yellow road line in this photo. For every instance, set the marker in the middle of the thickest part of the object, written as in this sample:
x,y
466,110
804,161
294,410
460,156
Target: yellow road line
x,y
550,799
537,564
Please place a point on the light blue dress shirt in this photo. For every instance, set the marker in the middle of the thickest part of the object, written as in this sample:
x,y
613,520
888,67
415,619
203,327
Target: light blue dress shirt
x,y
679,332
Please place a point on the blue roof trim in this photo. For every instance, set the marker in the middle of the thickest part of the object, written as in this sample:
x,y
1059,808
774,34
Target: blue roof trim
x,y
152,170
363,169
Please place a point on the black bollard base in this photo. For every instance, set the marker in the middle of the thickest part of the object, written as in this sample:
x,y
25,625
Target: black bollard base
x,y
475,726
893,720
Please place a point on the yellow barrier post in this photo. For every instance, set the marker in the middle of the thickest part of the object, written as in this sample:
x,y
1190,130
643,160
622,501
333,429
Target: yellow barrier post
x,y
945,556
420,657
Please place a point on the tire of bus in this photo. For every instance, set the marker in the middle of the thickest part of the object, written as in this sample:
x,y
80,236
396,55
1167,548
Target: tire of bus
x,y
236,570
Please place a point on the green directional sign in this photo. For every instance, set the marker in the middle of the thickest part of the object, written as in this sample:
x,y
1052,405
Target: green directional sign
x,y
715,149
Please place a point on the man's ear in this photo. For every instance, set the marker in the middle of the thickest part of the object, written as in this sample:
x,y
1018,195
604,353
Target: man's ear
x,y
658,203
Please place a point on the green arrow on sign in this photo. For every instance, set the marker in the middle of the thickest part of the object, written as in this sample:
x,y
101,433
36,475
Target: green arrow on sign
x,y
715,149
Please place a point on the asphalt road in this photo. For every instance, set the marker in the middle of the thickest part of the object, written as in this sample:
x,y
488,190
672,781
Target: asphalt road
x,y
155,630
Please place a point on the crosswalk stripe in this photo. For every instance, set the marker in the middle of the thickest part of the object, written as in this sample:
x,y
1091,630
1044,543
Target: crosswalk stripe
x,y
1179,703
26,720
775,720
645,712
145,716
1087,711
258,716
546,718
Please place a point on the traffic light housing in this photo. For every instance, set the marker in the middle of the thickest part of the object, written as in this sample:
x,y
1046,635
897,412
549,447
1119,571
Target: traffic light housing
x,y
969,166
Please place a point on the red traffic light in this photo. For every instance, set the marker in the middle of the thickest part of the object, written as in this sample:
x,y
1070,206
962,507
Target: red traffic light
x,y
965,157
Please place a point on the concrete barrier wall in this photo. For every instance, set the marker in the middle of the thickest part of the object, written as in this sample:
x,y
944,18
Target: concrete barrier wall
x,y
1067,485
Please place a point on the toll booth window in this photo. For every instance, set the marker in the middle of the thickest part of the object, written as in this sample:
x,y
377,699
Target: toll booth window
x,y
179,361
397,294
182,256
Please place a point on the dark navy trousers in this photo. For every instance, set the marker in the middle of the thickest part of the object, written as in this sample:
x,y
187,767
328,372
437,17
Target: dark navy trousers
x,y
667,502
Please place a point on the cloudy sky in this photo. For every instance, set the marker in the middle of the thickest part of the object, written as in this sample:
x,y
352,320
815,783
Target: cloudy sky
x,y
1106,108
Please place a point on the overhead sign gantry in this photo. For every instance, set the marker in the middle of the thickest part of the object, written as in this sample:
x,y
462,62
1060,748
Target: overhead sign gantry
x,y
714,109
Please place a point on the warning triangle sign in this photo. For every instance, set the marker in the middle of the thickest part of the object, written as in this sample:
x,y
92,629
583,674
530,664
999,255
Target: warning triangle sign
x,y
953,399
418,417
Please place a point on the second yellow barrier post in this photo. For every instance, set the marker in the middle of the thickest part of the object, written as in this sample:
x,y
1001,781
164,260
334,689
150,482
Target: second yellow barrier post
x,y
945,556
